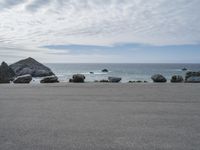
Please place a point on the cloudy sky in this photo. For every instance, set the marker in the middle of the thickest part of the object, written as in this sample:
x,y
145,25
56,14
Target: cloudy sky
x,y
129,31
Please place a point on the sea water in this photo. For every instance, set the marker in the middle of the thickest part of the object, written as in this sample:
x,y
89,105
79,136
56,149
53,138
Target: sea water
x,y
128,72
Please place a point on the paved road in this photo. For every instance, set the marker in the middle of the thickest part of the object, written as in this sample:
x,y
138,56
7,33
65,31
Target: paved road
x,y
100,117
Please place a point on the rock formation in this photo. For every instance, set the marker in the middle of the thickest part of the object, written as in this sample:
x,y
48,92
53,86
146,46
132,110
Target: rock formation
x,y
32,67
6,73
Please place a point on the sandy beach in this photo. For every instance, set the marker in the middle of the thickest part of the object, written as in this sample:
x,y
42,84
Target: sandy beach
x,y
95,116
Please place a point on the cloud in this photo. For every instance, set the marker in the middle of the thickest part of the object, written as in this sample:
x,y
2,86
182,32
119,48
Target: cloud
x,y
37,4
34,23
10,3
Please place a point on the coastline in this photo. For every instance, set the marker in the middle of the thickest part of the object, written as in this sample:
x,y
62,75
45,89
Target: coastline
x,y
99,116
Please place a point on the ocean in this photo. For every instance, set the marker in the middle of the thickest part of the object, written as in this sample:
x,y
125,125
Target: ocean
x,y
127,72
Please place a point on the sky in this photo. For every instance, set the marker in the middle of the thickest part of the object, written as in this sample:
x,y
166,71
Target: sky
x,y
100,31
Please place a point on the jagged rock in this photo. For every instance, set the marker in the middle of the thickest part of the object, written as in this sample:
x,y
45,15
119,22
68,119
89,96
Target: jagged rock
x,y
6,73
104,70
158,78
176,79
50,79
114,79
32,67
77,78
23,79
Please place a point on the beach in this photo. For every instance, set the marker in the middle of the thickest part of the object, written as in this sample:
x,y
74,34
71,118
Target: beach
x,y
100,116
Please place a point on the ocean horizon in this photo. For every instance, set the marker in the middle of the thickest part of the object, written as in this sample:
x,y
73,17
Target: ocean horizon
x,y
127,71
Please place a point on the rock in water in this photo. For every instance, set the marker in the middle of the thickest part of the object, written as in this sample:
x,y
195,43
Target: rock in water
x,y
6,73
32,67
176,79
158,78
23,79
114,79
104,70
184,69
50,79
77,78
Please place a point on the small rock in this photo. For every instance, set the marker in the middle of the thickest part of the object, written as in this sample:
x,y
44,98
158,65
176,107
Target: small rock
x,y
158,78
193,79
176,79
184,69
77,78
114,79
23,79
191,74
70,80
104,70
104,81
50,79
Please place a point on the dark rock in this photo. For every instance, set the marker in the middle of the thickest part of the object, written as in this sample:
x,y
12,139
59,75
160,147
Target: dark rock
x,y
158,78
138,81
176,79
103,81
191,74
77,78
114,79
184,69
23,79
91,72
6,73
49,79
104,70
32,67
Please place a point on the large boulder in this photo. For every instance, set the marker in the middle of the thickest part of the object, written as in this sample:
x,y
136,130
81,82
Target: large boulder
x,y
77,78
23,79
32,67
6,73
50,79
158,78
176,79
114,79
191,74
